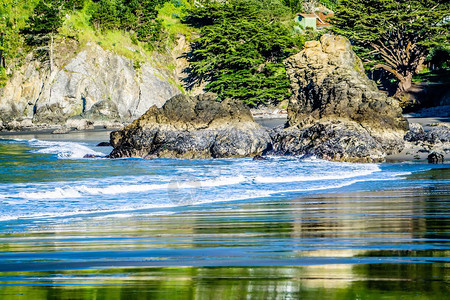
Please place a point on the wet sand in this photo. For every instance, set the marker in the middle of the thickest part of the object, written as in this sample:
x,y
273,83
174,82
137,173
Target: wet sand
x,y
367,245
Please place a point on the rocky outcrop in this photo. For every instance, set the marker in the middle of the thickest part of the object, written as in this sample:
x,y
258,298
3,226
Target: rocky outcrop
x,y
331,140
192,127
435,140
93,84
335,111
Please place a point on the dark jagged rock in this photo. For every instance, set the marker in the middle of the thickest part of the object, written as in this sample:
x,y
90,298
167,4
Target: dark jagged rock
x,y
192,127
259,157
415,133
434,140
334,140
438,134
335,111
104,144
436,158
92,156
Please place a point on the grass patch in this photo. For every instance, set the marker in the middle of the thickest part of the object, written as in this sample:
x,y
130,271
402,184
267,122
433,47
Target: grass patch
x,y
172,13
123,43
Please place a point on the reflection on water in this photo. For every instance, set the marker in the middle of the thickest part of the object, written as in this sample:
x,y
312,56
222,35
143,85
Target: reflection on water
x,y
372,245
421,281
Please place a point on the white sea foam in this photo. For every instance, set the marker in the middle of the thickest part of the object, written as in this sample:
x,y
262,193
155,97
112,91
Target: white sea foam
x,y
83,190
56,193
63,149
330,176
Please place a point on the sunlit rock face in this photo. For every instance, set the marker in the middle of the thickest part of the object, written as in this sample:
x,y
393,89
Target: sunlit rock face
x,y
192,127
91,83
334,101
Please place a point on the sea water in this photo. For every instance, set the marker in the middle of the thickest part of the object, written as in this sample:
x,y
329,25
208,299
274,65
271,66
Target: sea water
x,y
65,220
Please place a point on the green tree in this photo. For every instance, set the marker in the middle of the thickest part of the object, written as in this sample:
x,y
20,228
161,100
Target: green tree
x,y
43,25
13,14
294,5
240,50
105,14
395,35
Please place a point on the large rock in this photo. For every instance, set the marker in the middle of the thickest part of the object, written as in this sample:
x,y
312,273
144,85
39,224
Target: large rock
x,y
90,82
333,140
328,82
435,140
192,127
334,101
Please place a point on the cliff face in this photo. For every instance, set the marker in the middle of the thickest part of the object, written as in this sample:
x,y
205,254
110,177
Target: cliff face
x,y
93,84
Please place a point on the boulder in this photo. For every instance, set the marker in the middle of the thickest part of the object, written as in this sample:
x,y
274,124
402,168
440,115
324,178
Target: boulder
x,y
436,157
440,133
62,130
415,133
192,127
334,102
333,140
328,82
80,123
435,140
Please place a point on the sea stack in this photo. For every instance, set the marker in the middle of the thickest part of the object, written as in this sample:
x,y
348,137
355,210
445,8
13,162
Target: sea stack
x,y
335,111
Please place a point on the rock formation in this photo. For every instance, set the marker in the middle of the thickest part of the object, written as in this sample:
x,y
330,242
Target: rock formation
x,y
192,127
434,140
330,140
335,111
92,83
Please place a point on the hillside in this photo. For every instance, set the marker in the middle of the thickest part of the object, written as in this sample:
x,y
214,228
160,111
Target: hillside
x,y
82,72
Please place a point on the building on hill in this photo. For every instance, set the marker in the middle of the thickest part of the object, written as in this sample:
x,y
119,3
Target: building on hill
x,y
314,21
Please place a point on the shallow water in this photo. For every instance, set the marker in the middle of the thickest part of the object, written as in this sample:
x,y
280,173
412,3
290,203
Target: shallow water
x,y
285,228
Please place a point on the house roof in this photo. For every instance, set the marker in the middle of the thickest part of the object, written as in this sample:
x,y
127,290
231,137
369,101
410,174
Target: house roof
x,y
307,15
321,18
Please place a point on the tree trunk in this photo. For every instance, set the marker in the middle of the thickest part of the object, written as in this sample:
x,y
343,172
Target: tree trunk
x,y
404,84
51,53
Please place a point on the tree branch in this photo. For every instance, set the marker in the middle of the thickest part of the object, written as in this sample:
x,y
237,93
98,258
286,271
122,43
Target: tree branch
x,y
391,70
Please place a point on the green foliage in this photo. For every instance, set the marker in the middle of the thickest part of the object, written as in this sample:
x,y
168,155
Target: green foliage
x,y
13,14
331,4
105,14
132,15
394,35
294,5
45,20
240,50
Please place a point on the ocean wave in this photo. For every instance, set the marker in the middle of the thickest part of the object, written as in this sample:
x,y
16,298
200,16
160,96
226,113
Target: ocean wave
x,y
187,198
332,176
184,183
64,150
83,190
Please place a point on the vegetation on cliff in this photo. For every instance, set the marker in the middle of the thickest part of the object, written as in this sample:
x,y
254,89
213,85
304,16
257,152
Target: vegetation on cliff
x,y
130,28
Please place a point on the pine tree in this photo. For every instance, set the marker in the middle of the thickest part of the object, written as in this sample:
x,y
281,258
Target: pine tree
x,y
43,25
240,50
395,35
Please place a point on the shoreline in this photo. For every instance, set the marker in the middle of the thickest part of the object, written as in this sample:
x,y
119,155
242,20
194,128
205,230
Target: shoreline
x,y
411,153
